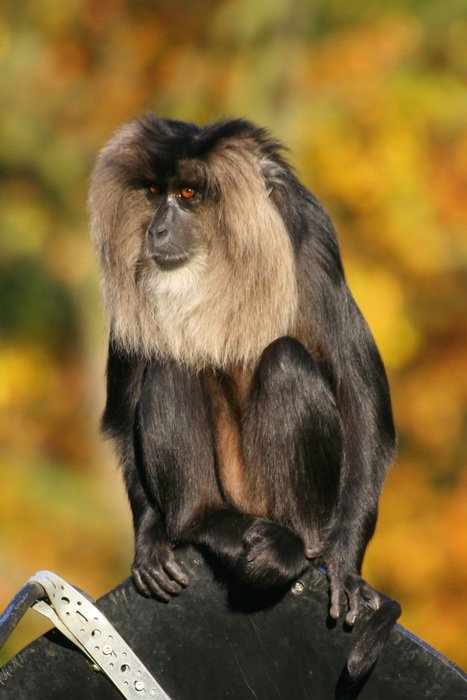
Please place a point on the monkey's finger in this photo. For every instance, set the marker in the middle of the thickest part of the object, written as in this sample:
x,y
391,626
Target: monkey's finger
x,y
164,581
354,604
154,586
335,601
139,583
312,552
176,572
371,596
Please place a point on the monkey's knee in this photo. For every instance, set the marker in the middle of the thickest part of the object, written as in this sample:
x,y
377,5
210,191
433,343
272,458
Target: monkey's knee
x,y
285,358
287,366
291,396
284,352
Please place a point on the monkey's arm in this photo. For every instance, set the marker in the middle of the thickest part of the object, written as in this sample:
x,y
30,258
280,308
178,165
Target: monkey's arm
x,y
349,359
154,570
364,403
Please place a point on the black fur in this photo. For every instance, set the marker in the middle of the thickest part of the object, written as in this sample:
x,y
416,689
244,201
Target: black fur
x,y
316,425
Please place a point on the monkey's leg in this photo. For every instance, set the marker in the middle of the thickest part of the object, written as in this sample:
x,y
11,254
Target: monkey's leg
x,y
155,570
176,456
293,449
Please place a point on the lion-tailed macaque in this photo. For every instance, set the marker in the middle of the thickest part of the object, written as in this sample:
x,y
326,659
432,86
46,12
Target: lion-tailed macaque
x,y
245,394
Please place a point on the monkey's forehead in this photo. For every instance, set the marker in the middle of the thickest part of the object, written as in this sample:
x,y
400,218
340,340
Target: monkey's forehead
x,y
182,140
172,152
182,171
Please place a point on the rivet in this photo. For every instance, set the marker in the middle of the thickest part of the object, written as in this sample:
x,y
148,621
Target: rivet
x,y
298,588
107,649
139,685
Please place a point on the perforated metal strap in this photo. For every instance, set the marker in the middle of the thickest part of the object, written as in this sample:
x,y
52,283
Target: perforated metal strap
x,y
84,625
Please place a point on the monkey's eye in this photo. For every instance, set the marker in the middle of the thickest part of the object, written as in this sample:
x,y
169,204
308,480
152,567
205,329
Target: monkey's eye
x,y
187,192
154,189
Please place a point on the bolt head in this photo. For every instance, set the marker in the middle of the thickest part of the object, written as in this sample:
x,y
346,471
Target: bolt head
x,y
298,588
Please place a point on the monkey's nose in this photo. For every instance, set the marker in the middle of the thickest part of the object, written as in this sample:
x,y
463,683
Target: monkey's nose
x,y
158,240
158,234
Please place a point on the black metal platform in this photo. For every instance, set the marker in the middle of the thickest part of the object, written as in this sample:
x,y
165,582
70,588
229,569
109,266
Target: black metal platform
x,y
198,647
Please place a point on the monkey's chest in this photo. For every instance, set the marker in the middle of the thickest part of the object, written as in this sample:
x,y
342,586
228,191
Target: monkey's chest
x,y
229,400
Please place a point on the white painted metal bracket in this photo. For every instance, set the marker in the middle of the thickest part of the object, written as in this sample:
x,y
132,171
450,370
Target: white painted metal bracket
x,y
88,629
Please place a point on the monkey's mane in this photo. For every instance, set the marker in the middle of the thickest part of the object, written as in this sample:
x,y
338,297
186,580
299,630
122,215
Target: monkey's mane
x,y
238,292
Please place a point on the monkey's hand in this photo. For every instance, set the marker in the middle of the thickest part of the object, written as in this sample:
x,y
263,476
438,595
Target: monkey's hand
x,y
272,556
155,571
347,591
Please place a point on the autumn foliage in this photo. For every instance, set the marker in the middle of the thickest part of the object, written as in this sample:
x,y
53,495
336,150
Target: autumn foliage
x,y
371,99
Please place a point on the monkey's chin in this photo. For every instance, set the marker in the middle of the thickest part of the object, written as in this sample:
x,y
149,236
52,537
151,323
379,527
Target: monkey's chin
x,y
170,262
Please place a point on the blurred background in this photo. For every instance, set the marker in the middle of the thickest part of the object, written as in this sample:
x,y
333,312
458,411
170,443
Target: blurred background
x,y
371,98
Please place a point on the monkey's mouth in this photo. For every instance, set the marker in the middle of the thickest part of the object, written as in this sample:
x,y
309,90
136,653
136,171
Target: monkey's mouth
x,y
170,262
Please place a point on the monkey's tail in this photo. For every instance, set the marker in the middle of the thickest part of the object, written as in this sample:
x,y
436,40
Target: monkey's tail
x,y
369,643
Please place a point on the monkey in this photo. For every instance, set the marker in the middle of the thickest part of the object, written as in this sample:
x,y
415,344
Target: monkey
x,y
246,397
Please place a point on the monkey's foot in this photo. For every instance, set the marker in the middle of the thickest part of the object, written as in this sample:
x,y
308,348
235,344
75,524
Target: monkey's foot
x,y
348,593
157,573
272,556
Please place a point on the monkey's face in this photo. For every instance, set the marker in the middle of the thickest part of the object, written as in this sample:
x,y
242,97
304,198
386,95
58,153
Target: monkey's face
x,y
171,238
180,200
